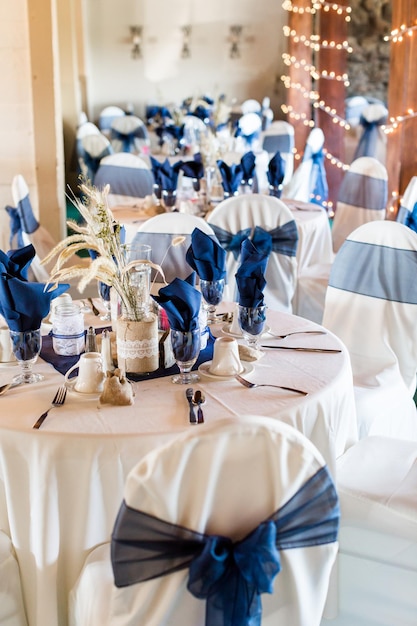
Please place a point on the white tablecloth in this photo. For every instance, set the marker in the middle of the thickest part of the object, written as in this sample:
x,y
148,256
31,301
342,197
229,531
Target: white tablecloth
x,y
61,486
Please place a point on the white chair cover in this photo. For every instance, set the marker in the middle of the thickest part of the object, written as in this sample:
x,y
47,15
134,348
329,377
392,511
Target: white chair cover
x,y
406,214
12,610
362,198
224,480
250,106
279,137
244,212
129,177
377,562
309,175
159,232
88,128
106,117
353,109
371,305
93,148
373,141
128,134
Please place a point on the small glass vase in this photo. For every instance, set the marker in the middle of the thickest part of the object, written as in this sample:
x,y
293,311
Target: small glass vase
x,y
212,292
26,348
252,323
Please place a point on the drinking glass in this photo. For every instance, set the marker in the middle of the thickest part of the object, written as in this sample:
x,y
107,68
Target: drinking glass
x,y
186,348
252,323
212,292
104,293
140,274
26,347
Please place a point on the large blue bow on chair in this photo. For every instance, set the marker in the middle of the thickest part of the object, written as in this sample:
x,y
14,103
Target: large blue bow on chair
x,y
229,241
320,191
16,229
230,576
283,239
410,220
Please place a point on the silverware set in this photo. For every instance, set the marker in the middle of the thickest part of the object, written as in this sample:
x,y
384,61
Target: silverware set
x,y
195,400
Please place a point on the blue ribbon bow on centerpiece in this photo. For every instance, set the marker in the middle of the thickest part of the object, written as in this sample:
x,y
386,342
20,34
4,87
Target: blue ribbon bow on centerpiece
x,y
230,576
23,304
206,256
231,176
250,278
181,302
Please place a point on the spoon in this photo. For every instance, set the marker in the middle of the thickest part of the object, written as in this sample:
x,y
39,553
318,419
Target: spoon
x,y
199,399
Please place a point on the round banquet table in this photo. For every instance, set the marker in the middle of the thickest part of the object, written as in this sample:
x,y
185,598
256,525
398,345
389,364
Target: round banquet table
x,y
61,486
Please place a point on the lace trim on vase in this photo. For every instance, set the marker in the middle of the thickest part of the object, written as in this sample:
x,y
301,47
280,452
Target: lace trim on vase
x,y
137,349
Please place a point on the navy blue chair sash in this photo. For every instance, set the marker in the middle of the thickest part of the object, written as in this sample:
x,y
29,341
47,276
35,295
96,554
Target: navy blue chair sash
x,y
229,241
230,576
15,228
283,239
363,191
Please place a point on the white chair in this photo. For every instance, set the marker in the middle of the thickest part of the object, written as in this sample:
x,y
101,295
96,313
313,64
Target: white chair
x,y
159,233
129,177
373,141
377,560
107,116
371,305
406,212
279,137
12,610
236,218
92,148
309,182
221,482
362,198
128,133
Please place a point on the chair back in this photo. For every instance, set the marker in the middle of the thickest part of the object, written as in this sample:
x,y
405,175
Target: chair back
x,y
129,177
371,305
159,233
373,141
362,198
279,137
224,482
92,149
236,218
309,182
106,117
128,133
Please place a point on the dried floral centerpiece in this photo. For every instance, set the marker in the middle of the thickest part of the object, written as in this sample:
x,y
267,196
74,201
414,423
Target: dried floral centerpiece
x,y
137,327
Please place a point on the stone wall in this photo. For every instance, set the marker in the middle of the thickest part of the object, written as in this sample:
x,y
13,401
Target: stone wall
x,y
368,64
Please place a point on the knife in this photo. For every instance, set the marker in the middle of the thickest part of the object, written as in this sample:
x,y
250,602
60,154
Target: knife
x,y
190,394
302,349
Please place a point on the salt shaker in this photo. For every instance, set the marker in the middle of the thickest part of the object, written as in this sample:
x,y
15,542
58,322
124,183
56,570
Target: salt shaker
x,y
106,352
90,340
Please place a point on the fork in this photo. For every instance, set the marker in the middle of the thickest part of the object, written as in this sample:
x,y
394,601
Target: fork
x,y
58,400
297,332
249,385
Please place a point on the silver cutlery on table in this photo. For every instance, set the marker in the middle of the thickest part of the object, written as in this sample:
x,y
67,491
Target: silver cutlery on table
x,y
8,386
331,350
199,399
58,400
249,385
190,395
296,332
93,307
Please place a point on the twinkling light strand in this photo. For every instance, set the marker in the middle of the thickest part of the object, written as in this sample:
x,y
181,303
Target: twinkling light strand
x,y
317,6
396,121
291,60
398,34
314,98
315,43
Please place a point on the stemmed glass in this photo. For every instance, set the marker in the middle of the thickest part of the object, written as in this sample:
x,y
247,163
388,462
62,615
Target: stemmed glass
x,y
212,292
26,347
252,323
186,348
104,293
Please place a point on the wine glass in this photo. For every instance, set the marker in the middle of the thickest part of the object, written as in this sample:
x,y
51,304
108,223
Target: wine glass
x,y
252,323
26,347
186,348
212,292
104,293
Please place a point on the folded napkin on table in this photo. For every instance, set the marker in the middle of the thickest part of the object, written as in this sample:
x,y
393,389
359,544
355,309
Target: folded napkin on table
x,y
206,256
23,304
248,163
165,174
181,302
250,275
232,176
276,170
176,132
193,169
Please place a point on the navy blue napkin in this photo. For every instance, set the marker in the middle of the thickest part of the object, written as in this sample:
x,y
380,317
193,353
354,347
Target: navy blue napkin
x,y
193,169
206,256
250,278
181,302
248,163
165,174
23,304
276,170
231,176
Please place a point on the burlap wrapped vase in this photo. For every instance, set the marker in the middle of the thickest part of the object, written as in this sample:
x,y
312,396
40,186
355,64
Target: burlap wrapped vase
x,y
137,345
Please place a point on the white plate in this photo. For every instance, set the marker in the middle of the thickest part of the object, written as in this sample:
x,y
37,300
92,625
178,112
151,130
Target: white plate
x,y
70,385
204,370
226,331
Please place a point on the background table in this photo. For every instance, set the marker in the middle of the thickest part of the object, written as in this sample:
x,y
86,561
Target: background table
x,y
61,486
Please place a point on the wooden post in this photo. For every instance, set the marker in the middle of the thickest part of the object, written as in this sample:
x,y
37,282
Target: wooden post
x,y
402,98
333,28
